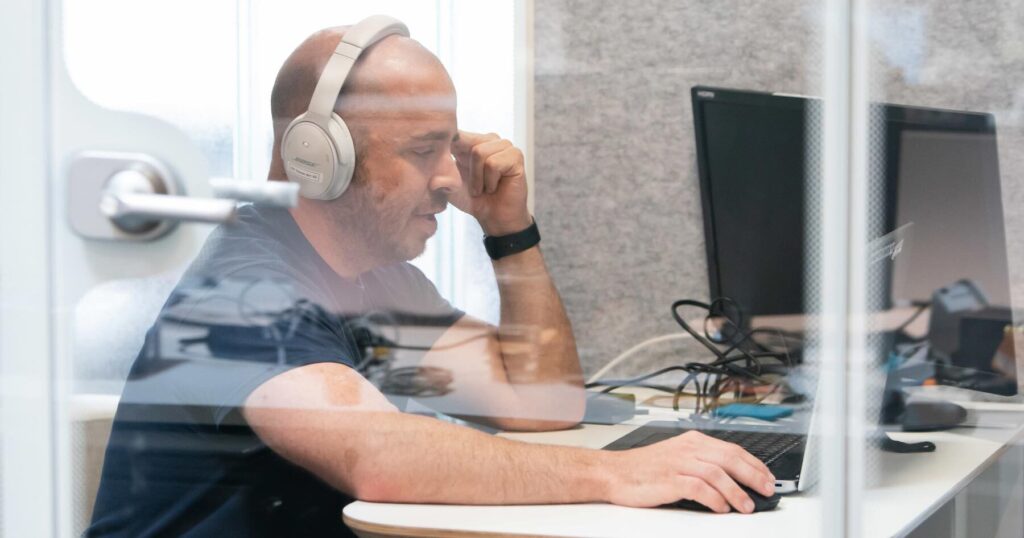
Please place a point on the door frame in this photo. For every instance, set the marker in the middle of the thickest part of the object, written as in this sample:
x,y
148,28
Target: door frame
x,y
27,410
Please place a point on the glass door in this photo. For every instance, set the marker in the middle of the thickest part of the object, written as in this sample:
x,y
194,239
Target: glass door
x,y
131,130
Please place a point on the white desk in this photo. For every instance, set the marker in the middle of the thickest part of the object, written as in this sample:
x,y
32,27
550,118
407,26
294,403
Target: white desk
x,y
915,486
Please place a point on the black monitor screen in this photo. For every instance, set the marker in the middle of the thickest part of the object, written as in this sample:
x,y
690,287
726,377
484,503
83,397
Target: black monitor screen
x,y
941,176
943,168
752,170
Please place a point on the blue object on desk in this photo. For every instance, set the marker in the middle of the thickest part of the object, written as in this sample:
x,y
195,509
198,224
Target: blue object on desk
x,y
763,412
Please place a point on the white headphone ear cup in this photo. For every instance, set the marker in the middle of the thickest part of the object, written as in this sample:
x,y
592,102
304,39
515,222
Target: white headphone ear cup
x,y
346,153
310,157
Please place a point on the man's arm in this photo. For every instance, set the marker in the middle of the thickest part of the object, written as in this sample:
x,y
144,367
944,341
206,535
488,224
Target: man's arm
x,y
329,420
524,375
534,380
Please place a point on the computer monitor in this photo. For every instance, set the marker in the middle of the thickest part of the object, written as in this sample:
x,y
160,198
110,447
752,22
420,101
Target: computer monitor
x,y
941,177
751,153
942,173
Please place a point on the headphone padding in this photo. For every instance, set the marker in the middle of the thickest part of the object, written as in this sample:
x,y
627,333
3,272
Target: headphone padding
x,y
346,152
321,161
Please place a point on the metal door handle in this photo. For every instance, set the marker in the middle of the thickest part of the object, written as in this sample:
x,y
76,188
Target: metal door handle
x,y
134,212
276,193
139,199
135,201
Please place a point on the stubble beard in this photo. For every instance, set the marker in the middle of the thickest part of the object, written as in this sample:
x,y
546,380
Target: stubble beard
x,y
367,229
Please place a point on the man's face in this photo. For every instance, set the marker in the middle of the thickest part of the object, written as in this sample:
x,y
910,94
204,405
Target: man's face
x,y
404,174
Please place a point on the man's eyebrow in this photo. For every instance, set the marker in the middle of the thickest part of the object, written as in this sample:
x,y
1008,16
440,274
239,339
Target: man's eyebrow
x,y
435,135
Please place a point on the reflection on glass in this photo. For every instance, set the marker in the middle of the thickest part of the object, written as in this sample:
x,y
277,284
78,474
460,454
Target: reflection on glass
x,y
271,388
942,170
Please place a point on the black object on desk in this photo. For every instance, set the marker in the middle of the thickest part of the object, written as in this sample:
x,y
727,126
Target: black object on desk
x,y
932,416
761,503
918,416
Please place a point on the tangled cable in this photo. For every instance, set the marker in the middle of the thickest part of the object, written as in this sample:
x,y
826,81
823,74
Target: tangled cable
x,y
739,364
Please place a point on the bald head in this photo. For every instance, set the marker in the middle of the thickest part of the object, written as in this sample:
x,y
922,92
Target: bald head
x,y
395,76
399,105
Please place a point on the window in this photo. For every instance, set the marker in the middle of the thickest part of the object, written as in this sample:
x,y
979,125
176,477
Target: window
x,y
211,77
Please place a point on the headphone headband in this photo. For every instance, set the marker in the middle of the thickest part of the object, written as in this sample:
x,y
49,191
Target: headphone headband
x,y
317,147
357,39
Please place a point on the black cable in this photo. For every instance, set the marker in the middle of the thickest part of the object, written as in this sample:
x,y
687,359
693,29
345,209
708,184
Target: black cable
x,y
737,324
686,326
723,371
737,327
635,380
710,345
618,384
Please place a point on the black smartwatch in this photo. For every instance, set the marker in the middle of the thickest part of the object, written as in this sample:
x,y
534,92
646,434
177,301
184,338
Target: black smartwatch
x,y
506,245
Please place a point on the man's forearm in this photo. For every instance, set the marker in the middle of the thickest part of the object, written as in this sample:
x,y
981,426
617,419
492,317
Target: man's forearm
x,y
327,419
524,375
537,342
409,458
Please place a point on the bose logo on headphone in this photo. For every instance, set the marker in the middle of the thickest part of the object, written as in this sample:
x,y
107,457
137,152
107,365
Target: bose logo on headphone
x,y
317,147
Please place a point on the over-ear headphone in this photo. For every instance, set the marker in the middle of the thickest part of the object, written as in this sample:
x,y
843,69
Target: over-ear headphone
x,y
317,147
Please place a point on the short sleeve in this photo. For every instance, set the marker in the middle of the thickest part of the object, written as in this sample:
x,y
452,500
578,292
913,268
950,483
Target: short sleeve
x,y
404,290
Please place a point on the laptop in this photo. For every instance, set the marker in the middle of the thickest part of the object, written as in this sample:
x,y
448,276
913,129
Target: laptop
x,y
783,452
789,448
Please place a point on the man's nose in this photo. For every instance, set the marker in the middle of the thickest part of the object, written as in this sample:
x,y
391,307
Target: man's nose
x,y
446,178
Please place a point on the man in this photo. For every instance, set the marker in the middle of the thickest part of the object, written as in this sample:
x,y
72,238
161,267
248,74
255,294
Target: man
x,y
246,412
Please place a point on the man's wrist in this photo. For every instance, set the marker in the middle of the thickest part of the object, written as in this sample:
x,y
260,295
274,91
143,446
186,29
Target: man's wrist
x,y
497,229
602,466
499,247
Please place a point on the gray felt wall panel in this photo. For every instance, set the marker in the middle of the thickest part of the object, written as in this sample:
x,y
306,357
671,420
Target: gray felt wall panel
x,y
616,177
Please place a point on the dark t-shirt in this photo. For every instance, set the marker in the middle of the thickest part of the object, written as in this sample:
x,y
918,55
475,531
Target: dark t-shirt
x,y
257,302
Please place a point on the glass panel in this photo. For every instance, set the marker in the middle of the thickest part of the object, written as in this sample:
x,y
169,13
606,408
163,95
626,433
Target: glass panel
x,y
693,160
160,59
799,218
697,177
942,174
150,328
220,99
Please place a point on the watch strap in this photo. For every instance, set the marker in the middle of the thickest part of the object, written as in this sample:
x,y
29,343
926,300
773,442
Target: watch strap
x,y
506,245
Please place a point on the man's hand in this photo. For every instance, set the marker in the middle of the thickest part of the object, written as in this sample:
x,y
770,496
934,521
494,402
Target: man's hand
x,y
493,181
689,466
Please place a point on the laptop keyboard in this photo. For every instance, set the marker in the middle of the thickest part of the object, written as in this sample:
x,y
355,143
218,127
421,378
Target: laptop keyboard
x,y
765,446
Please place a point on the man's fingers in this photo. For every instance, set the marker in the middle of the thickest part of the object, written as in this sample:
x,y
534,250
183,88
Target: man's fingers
x,y
742,466
696,489
506,163
484,159
467,140
494,168
723,483
728,450
738,452
481,153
